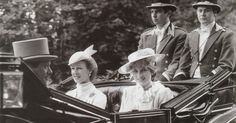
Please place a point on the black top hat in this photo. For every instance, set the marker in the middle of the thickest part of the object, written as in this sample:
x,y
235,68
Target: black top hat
x,y
212,3
163,4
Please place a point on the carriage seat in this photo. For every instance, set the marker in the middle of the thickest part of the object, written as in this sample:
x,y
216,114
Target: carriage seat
x,y
114,95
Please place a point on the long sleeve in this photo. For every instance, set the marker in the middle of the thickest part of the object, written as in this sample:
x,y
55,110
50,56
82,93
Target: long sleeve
x,y
185,60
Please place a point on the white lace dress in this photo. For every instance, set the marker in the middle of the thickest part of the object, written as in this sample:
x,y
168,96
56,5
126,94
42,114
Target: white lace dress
x,y
136,98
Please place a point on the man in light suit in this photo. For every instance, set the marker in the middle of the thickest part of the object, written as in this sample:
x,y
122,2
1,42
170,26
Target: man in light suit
x,y
209,48
164,38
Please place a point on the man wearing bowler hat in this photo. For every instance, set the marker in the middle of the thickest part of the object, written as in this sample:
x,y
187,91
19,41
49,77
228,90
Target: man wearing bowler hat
x,y
209,48
35,53
164,38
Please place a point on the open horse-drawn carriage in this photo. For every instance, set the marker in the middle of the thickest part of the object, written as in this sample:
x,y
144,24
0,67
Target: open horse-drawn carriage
x,y
24,99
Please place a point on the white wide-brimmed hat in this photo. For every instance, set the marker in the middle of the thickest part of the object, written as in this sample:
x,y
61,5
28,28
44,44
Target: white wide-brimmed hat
x,y
211,3
162,4
138,55
33,49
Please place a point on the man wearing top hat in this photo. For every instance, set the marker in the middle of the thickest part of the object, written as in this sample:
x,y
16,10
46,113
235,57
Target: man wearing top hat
x,y
209,48
35,53
163,38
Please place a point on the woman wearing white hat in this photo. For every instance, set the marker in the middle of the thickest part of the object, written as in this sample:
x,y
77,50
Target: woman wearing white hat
x,y
84,69
145,95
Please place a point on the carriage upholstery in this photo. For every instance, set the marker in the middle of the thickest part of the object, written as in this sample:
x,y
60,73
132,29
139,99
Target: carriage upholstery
x,y
114,95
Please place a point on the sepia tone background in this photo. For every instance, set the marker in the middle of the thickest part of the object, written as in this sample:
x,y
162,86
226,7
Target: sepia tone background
x,y
113,26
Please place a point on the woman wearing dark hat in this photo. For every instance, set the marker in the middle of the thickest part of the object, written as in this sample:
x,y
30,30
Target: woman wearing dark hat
x,y
84,70
164,38
146,95
209,48
35,53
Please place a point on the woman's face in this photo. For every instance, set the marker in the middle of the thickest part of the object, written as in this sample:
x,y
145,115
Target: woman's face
x,y
80,72
141,74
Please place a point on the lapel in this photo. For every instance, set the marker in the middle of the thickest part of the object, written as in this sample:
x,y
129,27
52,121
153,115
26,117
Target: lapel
x,y
166,38
151,41
194,39
215,33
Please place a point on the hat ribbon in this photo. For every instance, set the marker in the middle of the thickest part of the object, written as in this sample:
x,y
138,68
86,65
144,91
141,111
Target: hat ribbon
x,y
90,51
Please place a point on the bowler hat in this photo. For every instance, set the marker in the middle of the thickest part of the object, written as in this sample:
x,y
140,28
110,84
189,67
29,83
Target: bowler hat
x,y
33,49
211,3
139,55
163,4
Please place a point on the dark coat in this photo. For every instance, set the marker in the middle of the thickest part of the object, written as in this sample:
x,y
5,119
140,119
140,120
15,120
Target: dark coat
x,y
171,45
219,53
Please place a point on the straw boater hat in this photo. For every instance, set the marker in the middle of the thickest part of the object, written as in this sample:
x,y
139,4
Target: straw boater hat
x,y
211,3
163,4
139,55
85,55
33,50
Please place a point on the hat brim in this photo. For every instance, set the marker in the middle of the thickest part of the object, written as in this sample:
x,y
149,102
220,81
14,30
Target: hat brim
x,y
124,69
215,6
40,58
168,6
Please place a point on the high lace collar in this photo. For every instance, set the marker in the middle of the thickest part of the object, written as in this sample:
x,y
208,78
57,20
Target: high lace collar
x,y
85,86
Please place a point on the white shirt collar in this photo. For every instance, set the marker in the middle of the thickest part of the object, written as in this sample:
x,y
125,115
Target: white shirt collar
x,y
208,27
163,29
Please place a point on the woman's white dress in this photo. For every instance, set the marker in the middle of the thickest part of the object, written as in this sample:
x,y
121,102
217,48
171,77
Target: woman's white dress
x,y
88,93
136,98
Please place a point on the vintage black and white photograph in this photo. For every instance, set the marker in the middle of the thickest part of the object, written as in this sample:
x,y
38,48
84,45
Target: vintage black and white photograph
x,y
117,61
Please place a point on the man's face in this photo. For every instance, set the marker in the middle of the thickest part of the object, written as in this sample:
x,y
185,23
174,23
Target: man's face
x,y
44,71
159,16
205,15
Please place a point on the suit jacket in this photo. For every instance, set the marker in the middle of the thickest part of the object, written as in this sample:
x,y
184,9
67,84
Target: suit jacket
x,y
171,45
219,53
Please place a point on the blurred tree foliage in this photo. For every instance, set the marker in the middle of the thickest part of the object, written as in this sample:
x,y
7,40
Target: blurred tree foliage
x,y
113,26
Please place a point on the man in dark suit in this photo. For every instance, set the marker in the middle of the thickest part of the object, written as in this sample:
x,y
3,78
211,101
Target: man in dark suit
x,y
35,52
164,38
209,48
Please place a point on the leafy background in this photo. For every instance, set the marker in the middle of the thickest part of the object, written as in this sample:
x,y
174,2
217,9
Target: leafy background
x,y
113,26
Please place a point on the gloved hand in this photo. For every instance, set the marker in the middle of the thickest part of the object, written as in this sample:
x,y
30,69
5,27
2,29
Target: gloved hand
x,y
162,78
180,77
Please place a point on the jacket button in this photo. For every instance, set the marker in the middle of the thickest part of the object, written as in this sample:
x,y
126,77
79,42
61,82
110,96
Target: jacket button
x,y
166,61
215,58
215,50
